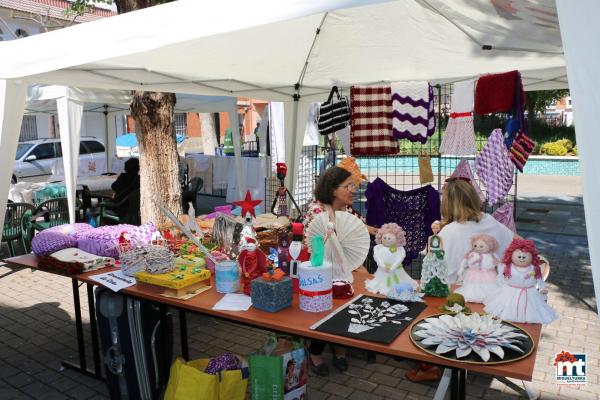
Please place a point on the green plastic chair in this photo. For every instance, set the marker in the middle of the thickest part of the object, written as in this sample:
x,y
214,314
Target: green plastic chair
x,y
133,210
12,224
54,212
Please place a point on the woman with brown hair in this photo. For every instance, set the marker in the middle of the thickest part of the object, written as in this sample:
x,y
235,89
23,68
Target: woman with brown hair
x,y
334,192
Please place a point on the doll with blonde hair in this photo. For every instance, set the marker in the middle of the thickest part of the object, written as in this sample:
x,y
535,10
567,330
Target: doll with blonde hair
x,y
389,254
478,269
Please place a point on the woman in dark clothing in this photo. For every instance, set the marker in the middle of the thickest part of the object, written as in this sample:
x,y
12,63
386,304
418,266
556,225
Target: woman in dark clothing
x,y
126,183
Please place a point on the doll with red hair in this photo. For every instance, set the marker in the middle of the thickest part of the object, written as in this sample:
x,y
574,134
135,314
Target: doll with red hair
x,y
518,299
478,269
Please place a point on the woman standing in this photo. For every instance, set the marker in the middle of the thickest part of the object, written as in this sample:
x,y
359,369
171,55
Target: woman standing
x,y
334,192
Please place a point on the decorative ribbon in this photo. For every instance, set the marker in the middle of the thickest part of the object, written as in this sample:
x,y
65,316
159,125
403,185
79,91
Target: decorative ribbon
x,y
523,290
462,114
310,293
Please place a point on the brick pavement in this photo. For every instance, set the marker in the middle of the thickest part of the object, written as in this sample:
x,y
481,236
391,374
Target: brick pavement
x,y
36,330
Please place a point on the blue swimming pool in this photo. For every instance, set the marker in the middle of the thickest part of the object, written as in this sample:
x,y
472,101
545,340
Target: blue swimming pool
x,y
565,166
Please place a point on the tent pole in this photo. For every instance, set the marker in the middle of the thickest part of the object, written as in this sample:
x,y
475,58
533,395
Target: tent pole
x,y
108,160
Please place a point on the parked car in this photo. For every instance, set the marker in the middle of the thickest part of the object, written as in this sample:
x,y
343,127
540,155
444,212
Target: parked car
x,y
36,158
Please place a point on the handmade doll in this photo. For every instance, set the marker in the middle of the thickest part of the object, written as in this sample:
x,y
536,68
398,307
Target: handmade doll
x,y
389,254
434,271
518,298
252,262
283,253
478,269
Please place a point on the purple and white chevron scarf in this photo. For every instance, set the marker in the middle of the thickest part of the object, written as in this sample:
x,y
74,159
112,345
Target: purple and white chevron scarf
x,y
494,168
413,116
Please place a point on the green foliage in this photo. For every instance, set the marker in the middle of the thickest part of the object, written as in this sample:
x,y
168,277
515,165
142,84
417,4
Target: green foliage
x,y
80,7
575,151
539,100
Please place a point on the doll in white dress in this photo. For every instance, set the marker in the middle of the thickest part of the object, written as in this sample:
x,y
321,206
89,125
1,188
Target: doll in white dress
x,y
518,299
478,269
389,254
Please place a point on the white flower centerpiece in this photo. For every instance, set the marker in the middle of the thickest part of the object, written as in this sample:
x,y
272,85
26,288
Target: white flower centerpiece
x,y
464,334
366,317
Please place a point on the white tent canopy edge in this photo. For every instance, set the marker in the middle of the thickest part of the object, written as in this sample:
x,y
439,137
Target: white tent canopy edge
x,y
580,32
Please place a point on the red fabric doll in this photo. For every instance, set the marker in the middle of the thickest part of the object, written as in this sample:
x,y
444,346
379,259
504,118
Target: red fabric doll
x,y
253,263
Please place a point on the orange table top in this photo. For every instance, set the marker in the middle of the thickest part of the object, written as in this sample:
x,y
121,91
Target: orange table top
x,y
297,322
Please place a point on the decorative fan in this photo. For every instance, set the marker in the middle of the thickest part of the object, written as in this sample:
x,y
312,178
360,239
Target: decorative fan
x,y
346,242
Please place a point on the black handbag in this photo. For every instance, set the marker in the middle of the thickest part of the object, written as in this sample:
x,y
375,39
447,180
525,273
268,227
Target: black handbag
x,y
334,114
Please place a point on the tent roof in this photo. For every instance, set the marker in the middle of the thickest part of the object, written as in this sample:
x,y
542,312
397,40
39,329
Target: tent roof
x,y
41,99
261,49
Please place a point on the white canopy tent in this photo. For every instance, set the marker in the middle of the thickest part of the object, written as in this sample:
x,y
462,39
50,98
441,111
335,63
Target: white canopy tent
x,y
293,52
70,104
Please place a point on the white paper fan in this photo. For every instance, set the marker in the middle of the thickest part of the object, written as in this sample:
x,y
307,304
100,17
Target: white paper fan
x,y
350,240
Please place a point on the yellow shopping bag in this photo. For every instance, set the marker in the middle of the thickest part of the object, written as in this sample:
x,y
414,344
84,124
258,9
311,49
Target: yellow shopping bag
x,y
188,381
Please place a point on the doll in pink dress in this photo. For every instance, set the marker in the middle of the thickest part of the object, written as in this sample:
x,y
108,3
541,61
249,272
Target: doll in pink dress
x,y
478,269
518,299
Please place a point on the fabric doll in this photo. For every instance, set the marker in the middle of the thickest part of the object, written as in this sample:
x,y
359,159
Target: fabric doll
x,y
518,298
434,271
389,254
478,269
252,262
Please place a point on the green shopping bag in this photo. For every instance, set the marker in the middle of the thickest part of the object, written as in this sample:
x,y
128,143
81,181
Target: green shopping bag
x,y
279,370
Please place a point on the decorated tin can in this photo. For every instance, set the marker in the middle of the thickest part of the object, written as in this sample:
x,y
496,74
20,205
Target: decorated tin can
x,y
315,287
227,276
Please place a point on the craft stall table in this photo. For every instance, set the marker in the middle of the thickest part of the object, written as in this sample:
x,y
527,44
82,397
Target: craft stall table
x,y
297,322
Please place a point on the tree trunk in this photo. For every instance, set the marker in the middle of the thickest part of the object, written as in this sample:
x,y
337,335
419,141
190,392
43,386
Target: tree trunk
x,y
209,133
159,168
530,107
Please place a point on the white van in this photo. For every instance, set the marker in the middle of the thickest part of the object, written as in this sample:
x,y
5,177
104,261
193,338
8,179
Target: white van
x,y
36,158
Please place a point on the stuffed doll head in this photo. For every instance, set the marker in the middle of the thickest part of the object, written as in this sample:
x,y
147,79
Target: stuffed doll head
x,y
390,235
484,244
521,253
250,244
435,227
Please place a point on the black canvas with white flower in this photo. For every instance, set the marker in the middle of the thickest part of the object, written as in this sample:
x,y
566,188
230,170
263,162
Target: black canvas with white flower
x,y
371,318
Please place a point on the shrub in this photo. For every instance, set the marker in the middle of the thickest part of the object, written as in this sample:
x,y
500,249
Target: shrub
x,y
575,151
554,149
565,142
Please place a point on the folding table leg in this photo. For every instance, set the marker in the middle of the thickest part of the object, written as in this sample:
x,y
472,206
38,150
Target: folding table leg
x,y
94,331
81,367
183,332
458,384
440,393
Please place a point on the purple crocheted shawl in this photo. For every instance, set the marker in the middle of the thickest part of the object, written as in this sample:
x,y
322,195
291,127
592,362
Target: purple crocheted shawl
x,y
414,210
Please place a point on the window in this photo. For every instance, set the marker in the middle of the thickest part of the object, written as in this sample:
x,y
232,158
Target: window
x,y
21,33
43,151
94,146
22,149
180,124
28,128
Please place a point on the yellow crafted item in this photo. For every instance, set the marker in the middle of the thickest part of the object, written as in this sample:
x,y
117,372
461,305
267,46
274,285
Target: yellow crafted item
x,y
182,276
425,173
188,381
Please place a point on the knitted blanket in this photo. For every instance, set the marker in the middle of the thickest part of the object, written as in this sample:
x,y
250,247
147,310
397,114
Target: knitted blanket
x,y
494,168
496,92
371,121
414,210
413,116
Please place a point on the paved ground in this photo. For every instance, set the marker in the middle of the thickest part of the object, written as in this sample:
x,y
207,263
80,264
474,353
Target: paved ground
x,y
36,329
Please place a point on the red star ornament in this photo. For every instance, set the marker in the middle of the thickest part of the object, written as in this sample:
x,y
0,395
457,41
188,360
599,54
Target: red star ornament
x,y
248,204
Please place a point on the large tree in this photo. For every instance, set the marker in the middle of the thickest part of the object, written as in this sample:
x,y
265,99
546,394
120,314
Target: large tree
x,y
155,127
538,100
